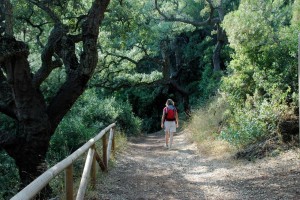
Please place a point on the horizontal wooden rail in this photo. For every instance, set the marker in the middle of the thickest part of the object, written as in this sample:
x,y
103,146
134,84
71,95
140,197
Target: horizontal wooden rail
x,y
39,183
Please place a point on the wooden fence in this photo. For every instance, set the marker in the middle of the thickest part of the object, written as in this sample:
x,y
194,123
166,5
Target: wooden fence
x,y
66,165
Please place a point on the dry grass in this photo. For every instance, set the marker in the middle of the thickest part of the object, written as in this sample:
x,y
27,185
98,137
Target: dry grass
x,y
121,142
216,148
205,127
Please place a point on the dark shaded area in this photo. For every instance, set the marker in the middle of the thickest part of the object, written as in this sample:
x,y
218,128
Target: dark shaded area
x,y
269,147
185,60
289,130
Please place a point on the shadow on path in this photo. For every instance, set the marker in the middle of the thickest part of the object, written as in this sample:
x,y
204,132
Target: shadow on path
x,y
147,170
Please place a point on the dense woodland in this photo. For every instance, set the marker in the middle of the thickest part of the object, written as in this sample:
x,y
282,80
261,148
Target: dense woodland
x,y
70,68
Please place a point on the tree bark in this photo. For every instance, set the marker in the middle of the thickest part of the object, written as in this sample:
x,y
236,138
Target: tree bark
x,y
171,71
165,52
217,56
21,99
221,37
211,20
29,144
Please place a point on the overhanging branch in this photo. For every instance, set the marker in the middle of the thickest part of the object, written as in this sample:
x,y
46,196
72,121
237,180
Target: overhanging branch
x,y
42,6
209,20
77,79
121,85
38,26
144,59
122,57
48,52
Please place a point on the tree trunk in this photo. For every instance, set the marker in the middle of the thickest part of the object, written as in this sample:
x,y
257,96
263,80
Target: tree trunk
x,y
21,99
171,74
221,37
185,97
33,128
165,52
217,56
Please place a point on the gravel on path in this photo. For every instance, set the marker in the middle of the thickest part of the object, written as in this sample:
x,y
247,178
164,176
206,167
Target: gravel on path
x,y
149,171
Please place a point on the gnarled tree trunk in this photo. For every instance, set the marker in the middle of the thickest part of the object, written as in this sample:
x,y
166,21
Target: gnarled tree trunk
x,y
172,71
21,98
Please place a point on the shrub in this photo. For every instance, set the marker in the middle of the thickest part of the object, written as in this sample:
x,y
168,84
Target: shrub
x,y
205,125
256,119
9,177
209,84
90,115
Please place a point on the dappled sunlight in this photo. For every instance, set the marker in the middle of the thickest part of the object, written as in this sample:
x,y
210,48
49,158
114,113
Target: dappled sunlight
x,y
150,171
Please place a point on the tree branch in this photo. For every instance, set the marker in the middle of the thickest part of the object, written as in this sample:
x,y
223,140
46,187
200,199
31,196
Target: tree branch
x,y
38,26
121,85
48,52
42,6
145,58
209,20
122,57
77,79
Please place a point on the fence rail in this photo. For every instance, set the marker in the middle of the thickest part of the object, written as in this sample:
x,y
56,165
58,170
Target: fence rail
x,y
31,190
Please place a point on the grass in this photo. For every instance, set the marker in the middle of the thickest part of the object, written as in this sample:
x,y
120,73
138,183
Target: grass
x,y
204,129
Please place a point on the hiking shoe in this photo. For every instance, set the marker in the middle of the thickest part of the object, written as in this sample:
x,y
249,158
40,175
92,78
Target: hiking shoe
x,y
166,146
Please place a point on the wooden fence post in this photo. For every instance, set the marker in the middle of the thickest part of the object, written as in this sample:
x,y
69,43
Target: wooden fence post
x,y
66,165
69,182
111,135
93,170
85,174
113,146
104,150
99,161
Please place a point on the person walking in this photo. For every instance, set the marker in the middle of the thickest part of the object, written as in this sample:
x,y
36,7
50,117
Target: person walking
x,y
169,121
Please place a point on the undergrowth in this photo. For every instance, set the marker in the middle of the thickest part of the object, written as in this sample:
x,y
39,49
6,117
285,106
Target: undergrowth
x,y
205,126
220,128
58,185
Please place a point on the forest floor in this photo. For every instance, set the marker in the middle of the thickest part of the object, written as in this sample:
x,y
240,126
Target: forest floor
x,y
147,170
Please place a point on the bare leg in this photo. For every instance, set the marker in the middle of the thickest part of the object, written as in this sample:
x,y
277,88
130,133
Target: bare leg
x,y
171,140
167,138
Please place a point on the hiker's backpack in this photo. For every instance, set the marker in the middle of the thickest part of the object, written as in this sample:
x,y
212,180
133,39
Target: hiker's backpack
x,y
170,112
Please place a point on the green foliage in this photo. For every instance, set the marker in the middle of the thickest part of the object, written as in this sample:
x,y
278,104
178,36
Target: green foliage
x,y
261,85
147,103
204,127
256,120
209,84
266,49
8,176
89,116
296,13
8,171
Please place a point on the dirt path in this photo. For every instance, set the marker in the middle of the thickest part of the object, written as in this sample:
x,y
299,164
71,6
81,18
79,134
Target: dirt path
x,y
147,170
